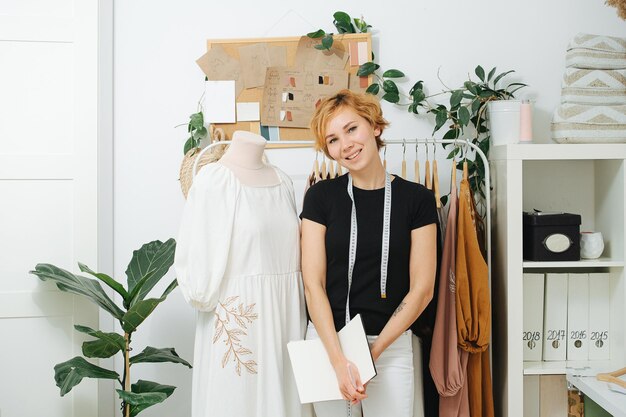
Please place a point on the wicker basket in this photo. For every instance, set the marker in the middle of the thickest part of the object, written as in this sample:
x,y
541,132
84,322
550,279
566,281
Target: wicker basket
x,y
186,167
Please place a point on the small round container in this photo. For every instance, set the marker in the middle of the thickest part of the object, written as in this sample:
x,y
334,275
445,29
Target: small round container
x,y
504,121
591,245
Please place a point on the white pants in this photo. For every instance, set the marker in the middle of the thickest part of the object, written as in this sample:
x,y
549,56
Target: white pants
x,y
394,391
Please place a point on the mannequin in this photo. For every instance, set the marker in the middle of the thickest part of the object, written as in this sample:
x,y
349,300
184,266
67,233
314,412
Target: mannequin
x,y
244,157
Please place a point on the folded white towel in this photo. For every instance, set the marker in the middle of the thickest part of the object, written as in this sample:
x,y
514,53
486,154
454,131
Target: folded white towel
x,y
575,123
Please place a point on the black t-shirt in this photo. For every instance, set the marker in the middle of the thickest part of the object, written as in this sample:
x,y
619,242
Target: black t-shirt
x,y
328,203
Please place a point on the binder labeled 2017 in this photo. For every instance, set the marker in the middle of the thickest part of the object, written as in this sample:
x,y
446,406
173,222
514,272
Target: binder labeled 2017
x,y
555,318
314,374
599,316
532,336
578,317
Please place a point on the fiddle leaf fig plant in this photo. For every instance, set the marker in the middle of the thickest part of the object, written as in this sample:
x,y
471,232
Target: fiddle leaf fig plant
x,y
148,265
462,112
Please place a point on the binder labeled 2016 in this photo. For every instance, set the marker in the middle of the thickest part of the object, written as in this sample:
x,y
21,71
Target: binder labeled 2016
x,y
578,317
599,316
532,336
555,318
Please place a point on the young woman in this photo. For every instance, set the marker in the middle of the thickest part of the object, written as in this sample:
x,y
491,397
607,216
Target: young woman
x,y
368,247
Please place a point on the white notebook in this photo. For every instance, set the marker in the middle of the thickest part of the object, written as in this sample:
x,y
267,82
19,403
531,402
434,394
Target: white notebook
x,y
314,374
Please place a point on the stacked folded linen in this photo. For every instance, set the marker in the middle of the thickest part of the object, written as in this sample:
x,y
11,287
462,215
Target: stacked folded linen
x,y
596,52
577,123
586,86
593,95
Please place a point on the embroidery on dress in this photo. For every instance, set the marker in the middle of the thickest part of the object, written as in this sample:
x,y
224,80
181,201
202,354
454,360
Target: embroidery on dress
x,y
233,323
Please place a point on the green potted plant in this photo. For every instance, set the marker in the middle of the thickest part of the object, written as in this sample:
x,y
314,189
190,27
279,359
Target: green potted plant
x,y
148,265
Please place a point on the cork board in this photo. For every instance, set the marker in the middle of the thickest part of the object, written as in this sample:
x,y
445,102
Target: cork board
x,y
354,49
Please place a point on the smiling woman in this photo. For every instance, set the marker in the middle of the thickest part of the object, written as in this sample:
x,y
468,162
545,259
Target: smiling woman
x,y
368,247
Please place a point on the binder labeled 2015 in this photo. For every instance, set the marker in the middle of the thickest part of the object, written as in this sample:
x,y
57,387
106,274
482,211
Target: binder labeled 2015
x,y
555,318
599,316
578,317
532,335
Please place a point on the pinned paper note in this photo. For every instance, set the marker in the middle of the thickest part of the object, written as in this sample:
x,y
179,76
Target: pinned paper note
x,y
219,102
290,94
254,61
217,65
310,58
248,112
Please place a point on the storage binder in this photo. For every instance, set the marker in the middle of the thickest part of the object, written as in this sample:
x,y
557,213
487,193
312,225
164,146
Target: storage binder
x,y
578,317
599,316
532,335
555,318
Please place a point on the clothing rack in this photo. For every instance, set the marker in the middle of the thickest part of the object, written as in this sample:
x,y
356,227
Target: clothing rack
x,y
459,142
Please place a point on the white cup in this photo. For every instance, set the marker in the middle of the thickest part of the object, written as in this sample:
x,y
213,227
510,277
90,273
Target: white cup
x,y
591,245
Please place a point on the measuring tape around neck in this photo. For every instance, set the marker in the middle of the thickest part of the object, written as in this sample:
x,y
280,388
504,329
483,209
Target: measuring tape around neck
x,y
384,258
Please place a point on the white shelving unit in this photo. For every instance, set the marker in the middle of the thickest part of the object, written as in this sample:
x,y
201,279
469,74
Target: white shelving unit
x,y
589,180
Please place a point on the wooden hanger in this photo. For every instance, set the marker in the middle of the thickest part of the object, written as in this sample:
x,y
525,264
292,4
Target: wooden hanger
x,y
323,168
453,180
612,377
436,176
339,170
385,158
331,169
403,159
427,177
316,167
465,171
417,166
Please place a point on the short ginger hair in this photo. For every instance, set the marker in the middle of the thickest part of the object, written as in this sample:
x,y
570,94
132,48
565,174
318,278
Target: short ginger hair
x,y
365,105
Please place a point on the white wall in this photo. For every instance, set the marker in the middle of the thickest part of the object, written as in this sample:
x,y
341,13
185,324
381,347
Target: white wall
x,y
157,85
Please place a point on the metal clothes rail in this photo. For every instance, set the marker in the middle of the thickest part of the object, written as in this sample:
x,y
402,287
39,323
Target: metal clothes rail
x,y
459,142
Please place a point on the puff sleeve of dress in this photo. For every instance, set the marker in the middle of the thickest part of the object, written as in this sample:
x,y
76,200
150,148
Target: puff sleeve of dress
x,y
201,258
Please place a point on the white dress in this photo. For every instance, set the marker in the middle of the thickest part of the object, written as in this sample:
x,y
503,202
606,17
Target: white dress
x,y
238,262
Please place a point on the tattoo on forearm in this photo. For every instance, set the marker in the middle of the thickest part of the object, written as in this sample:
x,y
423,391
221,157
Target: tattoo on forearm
x,y
399,309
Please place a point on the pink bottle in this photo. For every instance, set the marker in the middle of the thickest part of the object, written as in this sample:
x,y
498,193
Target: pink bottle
x,y
525,122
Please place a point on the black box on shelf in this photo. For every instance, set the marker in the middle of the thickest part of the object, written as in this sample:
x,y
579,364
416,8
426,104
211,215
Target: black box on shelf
x,y
551,236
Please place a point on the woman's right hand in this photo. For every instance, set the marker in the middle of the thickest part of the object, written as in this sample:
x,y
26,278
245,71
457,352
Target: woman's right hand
x,y
349,381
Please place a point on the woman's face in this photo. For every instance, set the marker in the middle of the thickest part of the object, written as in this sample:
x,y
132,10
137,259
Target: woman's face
x,y
351,140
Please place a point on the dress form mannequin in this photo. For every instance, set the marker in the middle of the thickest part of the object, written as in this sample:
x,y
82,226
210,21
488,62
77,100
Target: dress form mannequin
x,y
244,157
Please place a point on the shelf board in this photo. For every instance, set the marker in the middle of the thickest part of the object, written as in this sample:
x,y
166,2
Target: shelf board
x,y
590,368
611,401
583,263
553,151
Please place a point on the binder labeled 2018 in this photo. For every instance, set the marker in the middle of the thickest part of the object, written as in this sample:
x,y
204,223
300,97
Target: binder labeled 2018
x,y
314,374
532,336
578,317
599,316
555,318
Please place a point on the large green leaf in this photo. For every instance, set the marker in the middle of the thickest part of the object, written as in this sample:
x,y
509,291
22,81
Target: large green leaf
x,y
76,284
145,387
393,73
106,279
156,257
141,401
317,34
69,374
138,313
373,89
107,345
367,69
154,355
390,87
